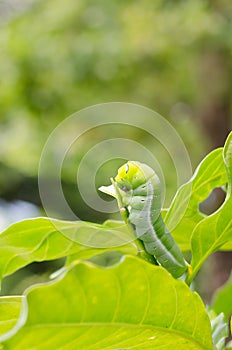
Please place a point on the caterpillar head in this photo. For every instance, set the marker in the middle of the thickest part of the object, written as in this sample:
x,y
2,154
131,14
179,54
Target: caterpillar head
x,y
129,179
132,174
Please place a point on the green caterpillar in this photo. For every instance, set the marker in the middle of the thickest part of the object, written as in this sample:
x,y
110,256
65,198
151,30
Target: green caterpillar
x,y
139,195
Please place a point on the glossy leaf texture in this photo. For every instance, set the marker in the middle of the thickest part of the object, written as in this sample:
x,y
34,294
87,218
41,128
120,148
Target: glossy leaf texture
x,y
42,239
215,231
132,305
183,215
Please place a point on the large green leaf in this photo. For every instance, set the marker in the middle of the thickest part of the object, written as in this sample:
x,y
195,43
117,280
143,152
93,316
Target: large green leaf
x,y
45,239
130,305
215,231
9,312
183,214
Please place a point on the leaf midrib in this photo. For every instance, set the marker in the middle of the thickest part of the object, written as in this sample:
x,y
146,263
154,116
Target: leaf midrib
x,y
190,197
117,324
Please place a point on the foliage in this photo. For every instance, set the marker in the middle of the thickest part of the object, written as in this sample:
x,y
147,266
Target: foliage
x,y
108,308
125,301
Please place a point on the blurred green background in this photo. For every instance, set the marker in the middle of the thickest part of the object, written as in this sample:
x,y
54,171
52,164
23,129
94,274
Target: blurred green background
x,y
58,57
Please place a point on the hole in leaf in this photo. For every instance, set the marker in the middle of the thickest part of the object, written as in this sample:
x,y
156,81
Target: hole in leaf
x,y
213,201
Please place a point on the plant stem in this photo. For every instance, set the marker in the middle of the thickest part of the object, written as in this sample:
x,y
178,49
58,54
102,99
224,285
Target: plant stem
x,y
190,276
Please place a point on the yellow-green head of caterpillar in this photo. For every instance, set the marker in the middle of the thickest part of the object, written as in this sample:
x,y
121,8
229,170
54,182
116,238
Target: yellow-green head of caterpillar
x,y
131,175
